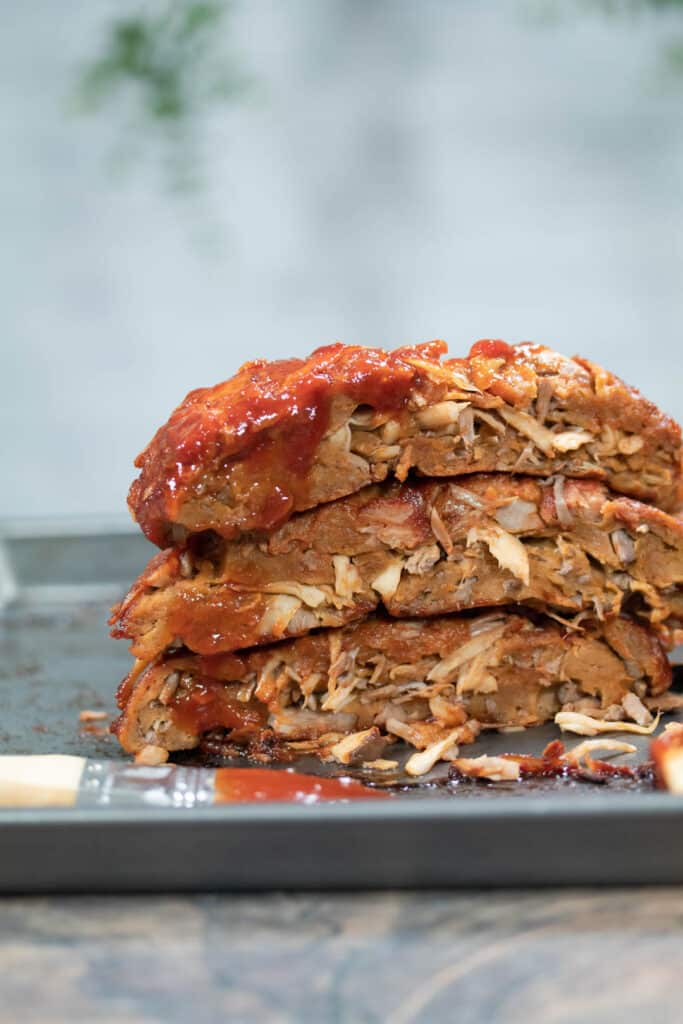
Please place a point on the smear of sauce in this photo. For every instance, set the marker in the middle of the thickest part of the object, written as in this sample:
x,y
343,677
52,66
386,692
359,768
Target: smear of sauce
x,y
489,348
263,785
273,415
207,705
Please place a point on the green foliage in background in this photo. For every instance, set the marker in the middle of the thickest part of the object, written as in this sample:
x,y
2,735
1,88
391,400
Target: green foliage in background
x,y
165,68
553,11
673,51
621,6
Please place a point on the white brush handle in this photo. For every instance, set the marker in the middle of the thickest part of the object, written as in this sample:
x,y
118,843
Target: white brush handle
x,y
42,780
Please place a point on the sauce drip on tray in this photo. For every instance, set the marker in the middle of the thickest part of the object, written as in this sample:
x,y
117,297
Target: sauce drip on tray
x,y
261,785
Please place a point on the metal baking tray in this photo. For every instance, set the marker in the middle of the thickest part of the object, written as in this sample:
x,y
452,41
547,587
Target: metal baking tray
x,y
56,658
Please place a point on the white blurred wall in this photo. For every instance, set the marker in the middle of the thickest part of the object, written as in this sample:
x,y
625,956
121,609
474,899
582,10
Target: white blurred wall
x,y
402,171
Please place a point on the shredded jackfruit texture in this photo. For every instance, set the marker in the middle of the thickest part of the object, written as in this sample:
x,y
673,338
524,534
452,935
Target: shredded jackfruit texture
x,y
584,725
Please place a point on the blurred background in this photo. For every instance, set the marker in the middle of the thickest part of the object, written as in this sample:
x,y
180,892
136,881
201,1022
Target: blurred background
x,y
189,185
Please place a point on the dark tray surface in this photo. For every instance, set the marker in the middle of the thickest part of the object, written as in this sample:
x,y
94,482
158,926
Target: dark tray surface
x,y
57,659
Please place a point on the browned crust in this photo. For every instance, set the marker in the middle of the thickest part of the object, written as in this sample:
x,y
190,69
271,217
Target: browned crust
x,y
223,604
248,453
519,684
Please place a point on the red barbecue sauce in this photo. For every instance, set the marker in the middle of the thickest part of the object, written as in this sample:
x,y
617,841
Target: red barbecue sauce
x,y
261,785
553,764
207,705
492,348
274,414
219,620
494,367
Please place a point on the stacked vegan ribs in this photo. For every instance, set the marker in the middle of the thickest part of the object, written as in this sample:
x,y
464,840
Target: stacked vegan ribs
x,y
367,545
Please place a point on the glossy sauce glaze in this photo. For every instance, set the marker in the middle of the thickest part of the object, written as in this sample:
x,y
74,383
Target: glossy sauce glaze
x,y
262,785
492,348
207,705
235,420
241,456
201,620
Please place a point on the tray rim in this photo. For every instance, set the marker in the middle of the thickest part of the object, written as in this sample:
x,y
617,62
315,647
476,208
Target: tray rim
x,y
602,806
492,839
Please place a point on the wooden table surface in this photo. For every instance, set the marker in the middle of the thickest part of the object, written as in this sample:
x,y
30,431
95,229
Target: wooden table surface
x,y
466,957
